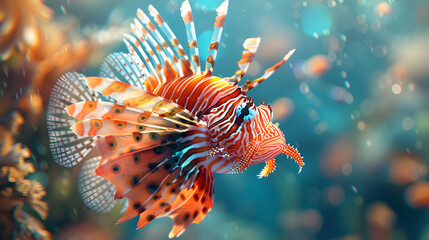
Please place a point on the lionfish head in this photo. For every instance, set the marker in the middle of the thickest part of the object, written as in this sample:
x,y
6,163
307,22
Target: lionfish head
x,y
271,139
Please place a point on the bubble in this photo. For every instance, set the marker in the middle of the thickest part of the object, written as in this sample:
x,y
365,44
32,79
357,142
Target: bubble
x,y
381,217
346,169
408,123
282,108
376,25
359,200
63,9
317,65
380,50
332,3
321,127
347,84
417,195
419,145
31,36
406,169
361,125
361,19
369,143
383,9
411,87
335,195
304,88
313,114
396,88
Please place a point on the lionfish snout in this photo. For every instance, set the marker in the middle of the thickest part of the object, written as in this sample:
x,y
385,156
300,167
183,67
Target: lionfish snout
x,y
273,144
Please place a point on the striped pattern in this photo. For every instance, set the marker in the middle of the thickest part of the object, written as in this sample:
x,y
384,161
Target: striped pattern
x,y
68,149
250,45
161,126
251,84
217,34
188,19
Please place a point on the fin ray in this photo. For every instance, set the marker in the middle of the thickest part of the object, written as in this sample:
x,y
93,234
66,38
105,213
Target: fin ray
x,y
67,149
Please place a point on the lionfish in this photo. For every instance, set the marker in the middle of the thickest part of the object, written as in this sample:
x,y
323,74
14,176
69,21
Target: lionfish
x,y
154,127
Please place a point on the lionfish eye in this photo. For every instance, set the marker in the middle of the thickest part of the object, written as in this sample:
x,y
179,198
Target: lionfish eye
x,y
245,112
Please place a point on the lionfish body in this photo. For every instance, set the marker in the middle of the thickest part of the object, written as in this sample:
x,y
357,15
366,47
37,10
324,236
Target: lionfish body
x,y
161,125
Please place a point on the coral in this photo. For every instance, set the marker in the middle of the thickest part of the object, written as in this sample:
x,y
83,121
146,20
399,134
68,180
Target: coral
x,y
16,190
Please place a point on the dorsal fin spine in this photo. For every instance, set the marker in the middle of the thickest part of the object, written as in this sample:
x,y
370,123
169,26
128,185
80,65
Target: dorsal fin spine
x,y
186,13
217,34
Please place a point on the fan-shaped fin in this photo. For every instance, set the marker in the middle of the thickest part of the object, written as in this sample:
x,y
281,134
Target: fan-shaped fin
x,y
160,44
193,204
139,32
188,19
67,148
140,57
111,111
217,34
251,84
98,127
97,193
185,66
132,96
123,67
114,146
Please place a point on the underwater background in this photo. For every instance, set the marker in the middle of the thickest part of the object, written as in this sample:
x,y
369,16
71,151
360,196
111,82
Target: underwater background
x,y
354,100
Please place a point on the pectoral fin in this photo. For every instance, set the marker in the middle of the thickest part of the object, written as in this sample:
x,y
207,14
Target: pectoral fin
x,y
269,168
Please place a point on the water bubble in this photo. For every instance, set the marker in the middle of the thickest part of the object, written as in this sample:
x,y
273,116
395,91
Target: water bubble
x,y
396,88
361,125
361,19
332,3
304,88
369,143
63,9
383,9
346,169
347,84
419,145
408,123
